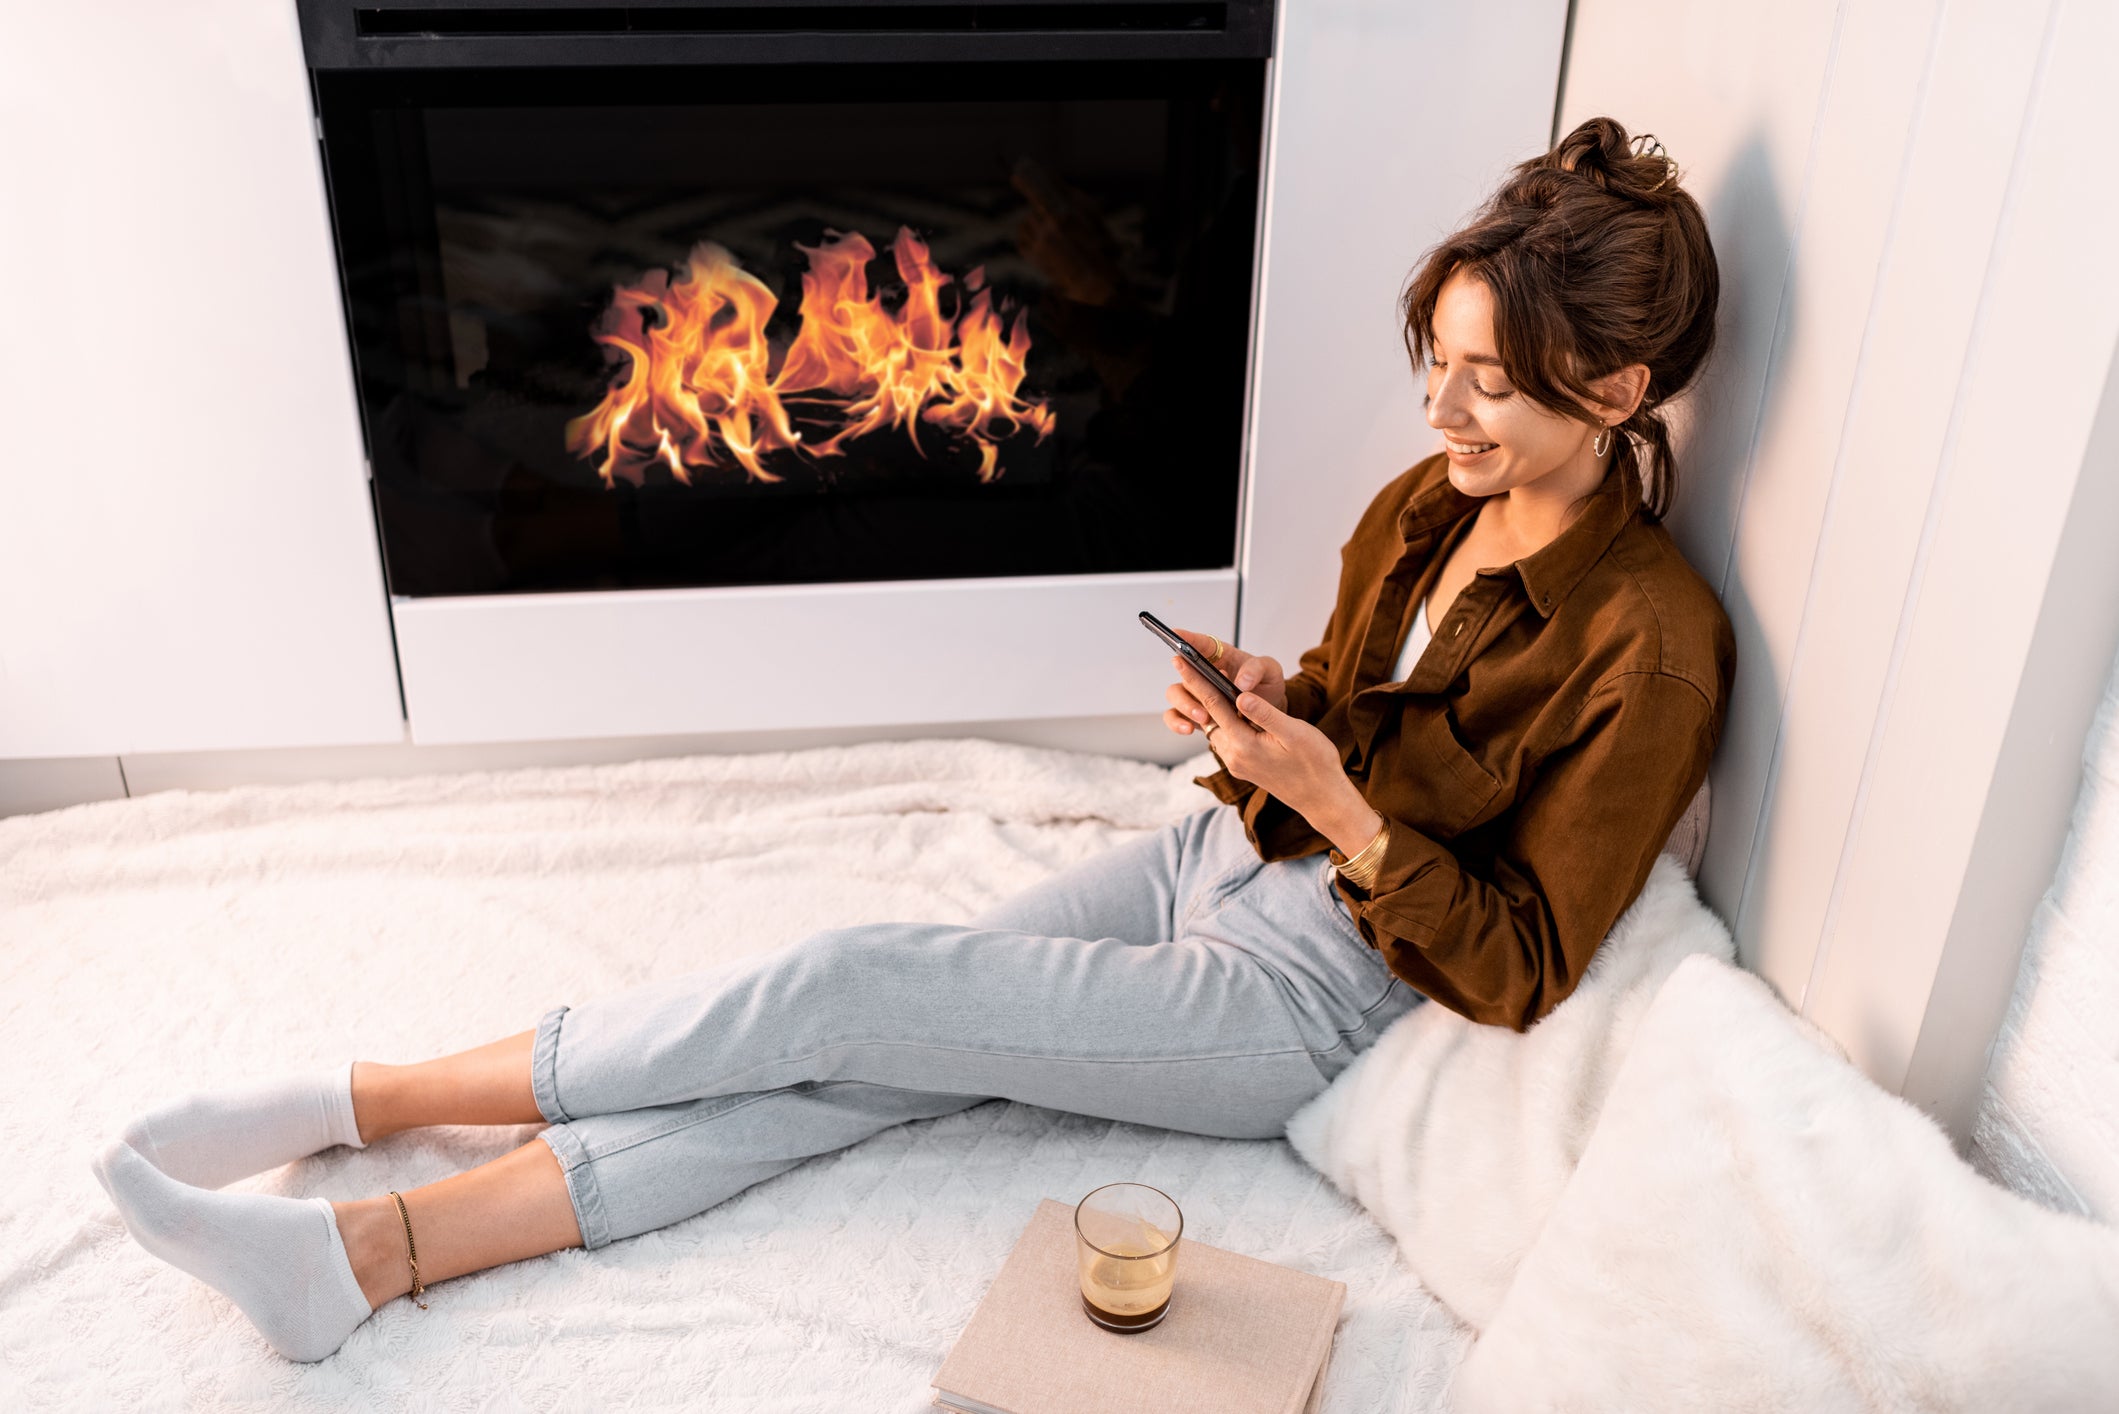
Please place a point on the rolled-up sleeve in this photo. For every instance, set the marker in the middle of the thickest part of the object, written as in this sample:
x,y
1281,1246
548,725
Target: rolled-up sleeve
x,y
1505,949
1307,692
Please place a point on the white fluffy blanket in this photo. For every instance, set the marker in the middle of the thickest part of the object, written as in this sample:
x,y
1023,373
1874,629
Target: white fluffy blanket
x,y
1459,1137
1755,1226
182,940
1673,1194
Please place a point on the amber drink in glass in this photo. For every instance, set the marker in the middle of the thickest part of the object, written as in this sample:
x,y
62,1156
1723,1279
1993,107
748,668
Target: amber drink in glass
x,y
1125,1238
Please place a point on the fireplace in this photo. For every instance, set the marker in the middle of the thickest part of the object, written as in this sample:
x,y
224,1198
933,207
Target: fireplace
x,y
760,319
723,297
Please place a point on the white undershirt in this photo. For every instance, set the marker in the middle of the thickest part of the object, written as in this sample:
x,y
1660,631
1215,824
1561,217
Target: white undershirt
x,y
1415,644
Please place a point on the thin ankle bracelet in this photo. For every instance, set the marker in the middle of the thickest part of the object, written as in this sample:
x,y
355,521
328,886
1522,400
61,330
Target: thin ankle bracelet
x,y
411,1253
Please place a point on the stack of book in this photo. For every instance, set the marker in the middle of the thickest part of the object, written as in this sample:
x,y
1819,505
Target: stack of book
x,y
1243,1337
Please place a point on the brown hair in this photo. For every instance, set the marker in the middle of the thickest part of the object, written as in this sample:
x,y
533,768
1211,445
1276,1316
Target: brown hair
x,y
1596,258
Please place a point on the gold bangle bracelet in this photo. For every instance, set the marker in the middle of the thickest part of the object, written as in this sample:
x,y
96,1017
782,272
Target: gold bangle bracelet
x,y
1360,868
1363,879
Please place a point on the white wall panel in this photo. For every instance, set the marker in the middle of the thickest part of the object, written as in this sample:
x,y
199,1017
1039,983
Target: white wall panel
x,y
1732,91
1738,96
187,559
1959,94
1889,475
1391,121
2014,459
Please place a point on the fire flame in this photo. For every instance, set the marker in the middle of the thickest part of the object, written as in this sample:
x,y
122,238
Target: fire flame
x,y
697,387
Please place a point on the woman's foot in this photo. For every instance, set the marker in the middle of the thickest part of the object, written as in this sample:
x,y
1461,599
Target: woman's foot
x,y
279,1259
213,1137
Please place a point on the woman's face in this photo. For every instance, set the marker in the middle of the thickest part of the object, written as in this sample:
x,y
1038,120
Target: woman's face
x,y
1497,439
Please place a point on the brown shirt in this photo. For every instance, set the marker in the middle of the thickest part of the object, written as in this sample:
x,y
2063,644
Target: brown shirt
x,y
1546,744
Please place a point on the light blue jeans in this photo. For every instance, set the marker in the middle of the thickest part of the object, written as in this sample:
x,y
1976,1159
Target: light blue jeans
x,y
1174,980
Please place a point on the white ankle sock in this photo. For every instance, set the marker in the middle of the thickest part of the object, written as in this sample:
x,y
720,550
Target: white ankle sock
x,y
214,1137
279,1259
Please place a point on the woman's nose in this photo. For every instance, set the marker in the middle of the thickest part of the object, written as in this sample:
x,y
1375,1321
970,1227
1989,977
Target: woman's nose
x,y
1443,409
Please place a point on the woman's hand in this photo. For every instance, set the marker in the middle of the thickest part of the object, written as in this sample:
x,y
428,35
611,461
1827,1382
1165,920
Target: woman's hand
x,y
1251,672
1282,755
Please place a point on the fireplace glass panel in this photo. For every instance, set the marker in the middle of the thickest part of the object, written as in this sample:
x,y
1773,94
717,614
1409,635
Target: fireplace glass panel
x,y
791,324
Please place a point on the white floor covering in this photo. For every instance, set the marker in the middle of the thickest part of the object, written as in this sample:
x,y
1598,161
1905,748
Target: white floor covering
x,y
180,940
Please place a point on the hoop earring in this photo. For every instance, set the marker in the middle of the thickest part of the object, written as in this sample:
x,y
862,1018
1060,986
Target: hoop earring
x,y
1603,443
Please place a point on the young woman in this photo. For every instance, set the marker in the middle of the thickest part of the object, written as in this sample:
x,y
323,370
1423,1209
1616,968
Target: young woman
x,y
1453,797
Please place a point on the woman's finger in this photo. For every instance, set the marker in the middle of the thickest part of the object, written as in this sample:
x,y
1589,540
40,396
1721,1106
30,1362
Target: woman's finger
x,y
1231,658
1184,703
1202,641
1178,722
1218,707
1260,713
1251,670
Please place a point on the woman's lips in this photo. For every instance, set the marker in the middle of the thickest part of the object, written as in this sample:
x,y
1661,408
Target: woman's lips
x,y
1467,451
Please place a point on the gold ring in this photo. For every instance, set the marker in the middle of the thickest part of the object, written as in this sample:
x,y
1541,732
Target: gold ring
x,y
1208,730
1219,649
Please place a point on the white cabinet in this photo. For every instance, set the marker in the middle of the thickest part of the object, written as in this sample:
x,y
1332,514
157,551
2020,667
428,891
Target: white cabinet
x,y
187,559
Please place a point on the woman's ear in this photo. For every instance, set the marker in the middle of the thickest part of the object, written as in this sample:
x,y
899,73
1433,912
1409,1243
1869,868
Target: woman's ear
x,y
1622,391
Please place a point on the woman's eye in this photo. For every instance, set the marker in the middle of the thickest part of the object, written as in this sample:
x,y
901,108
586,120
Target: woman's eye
x,y
1436,365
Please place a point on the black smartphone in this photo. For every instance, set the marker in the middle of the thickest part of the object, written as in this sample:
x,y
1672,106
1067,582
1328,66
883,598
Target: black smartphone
x,y
1191,655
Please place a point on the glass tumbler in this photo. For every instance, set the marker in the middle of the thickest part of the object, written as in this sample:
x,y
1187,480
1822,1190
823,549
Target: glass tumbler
x,y
1125,1239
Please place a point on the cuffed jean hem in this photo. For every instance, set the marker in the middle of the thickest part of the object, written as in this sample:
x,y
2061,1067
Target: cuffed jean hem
x,y
580,1173
544,1067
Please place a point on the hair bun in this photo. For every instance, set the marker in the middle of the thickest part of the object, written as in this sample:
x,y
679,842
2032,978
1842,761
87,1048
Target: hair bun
x,y
1590,148
1600,150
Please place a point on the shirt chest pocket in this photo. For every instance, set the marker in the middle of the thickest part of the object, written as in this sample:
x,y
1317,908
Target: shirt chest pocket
x,y
1444,787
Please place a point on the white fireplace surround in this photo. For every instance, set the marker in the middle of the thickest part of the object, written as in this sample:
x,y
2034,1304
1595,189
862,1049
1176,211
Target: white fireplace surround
x,y
866,655
219,568
529,667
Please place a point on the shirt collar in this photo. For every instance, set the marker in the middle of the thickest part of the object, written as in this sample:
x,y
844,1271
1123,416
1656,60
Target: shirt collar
x,y
1436,506
1550,574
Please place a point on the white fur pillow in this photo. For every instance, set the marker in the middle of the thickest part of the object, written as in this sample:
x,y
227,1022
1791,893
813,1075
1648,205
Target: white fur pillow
x,y
1757,1226
1458,1137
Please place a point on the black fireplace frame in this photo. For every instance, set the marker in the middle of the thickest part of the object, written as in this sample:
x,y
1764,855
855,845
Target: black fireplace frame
x,y
466,53
458,34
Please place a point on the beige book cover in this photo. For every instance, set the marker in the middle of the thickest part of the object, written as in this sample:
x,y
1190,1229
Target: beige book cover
x,y
1243,1337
